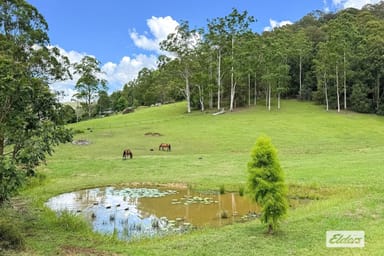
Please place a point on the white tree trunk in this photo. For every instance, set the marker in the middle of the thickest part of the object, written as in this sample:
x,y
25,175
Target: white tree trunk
x,y
249,90
255,93
378,92
233,92
337,88
300,75
187,94
210,98
326,91
233,84
219,81
201,98
345,85
269,97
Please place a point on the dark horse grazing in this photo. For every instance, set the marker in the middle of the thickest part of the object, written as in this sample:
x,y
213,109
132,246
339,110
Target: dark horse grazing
x,y
165,146
126,153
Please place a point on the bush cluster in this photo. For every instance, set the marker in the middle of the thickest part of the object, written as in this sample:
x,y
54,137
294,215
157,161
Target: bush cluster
x,y
10,236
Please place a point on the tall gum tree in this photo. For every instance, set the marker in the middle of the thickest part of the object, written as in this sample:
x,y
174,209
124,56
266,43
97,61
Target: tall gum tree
x,y
372,45
90,82
301,47
182,44
223,35
343,37
216,39
322,71
276,69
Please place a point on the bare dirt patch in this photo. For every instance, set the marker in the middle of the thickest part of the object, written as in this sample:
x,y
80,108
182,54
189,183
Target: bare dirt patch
x,y
153,134
81,142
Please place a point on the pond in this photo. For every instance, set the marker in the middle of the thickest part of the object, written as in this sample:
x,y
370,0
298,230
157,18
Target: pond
x,y
136,212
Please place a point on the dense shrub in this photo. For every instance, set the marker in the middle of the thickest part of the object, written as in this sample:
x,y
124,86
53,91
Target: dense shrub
x,y
10,236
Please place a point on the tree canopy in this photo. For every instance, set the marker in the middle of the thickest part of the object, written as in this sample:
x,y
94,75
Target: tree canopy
x,y
30,120
89,85
334,59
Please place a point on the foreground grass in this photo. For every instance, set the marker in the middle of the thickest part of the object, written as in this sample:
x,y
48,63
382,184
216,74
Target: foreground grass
x,y
333,157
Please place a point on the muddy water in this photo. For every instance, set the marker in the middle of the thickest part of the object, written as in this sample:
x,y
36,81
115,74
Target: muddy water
x,y
136,212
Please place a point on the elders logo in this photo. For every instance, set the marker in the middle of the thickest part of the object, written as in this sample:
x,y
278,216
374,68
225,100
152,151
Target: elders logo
x,y
345,238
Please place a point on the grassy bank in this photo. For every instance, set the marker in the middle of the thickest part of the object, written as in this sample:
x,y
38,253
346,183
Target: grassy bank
x,y
335,158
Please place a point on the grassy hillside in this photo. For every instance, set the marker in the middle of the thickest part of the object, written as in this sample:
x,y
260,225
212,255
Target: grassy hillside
x,y
333,157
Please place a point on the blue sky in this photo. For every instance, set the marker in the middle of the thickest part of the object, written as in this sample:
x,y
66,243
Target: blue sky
x,y
124,34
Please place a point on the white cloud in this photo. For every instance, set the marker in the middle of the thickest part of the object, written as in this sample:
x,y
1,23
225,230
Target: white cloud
x,y
67,87
358,4
127,69
160,28
118,74
326,7
275,24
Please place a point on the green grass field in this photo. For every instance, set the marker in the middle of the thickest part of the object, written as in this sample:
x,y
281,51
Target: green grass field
x,y
335,158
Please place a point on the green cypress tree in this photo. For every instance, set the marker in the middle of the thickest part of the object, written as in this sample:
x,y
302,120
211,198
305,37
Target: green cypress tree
x,y
266,183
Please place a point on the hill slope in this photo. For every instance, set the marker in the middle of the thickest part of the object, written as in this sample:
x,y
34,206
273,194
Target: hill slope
x,y
329,156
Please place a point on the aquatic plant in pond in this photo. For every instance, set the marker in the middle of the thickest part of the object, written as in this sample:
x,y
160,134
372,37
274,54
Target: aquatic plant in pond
x,y
131,213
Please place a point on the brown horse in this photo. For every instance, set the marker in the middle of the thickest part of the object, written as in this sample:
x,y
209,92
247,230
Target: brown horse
x,y
126,153
165,146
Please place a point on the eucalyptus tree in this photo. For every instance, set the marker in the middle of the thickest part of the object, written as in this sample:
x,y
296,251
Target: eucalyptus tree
x,y
168,80
276,68
376,53
282,50
247,67
256,62
266,76
342,36
216,38
208,67
331,57
182,44
103,102
202,78
301,47
328,61
372,45
142,88
236,25
322,72
90,82
220,75
311,24
128,93
223,33
30,121
248,62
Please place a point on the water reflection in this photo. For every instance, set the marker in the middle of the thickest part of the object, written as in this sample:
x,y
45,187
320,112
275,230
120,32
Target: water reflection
x,y
136,212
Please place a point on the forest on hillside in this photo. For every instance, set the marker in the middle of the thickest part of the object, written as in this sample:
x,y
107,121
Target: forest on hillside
x,y
334,59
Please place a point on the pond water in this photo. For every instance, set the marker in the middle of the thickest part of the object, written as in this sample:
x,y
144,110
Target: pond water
x,y
137,212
